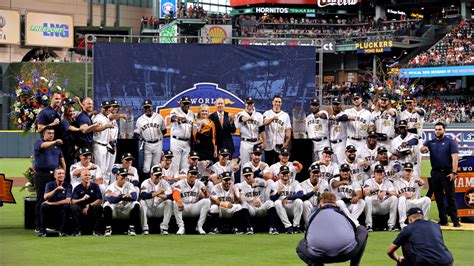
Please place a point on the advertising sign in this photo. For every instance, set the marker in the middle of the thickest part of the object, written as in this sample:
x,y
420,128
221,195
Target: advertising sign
x,y
374,47
168,8
216,34
433,72
327,46
49,30
465,188
168,34
9,27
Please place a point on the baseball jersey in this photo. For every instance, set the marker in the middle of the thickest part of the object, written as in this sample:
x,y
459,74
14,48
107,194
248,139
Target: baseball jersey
x,y
390,170
256,167
225,195
132,173
248,193
150,128
127,188
275,132
182,129
75,180
189,194
275,170
412,187
287,190
202,168
358,127
384,123
148,186
405,153
168,172
250,128
218,169
345,191
328,171
317,127
365,153
386,186
414,121
101,137
357,171
338,129
307,187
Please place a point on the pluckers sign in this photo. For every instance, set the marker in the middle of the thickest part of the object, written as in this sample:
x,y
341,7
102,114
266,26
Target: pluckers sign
x,y
373,47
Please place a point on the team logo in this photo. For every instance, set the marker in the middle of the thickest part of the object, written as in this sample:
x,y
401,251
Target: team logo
x,y
469,198
6,195
167,8
216,34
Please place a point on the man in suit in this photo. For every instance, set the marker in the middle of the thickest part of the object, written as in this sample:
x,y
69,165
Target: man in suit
x,y
224,126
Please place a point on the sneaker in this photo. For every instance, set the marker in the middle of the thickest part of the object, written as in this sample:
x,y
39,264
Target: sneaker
x,y
214,231
200,230
62,234
131,230
296,230
37,230
237,231
289,230
145,232
249,231
369,228
42,233
273,231
457,224
50,230
96,233
403,225
163,232
77,233
180,231
392,228
108,231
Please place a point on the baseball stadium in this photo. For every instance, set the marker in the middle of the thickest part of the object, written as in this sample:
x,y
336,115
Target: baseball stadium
x,y
237,132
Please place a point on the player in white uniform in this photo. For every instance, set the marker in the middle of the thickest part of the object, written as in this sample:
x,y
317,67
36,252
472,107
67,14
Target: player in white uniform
x,y
328,168
312,187
383,121
182,120
85,163
255,197
258,167
224,164
225,198
380,198
338,130
357,169
408,189
368,153
127,161
277,130
150,127
286,194
121,203
101,135
191,199
202,166
157,200
166,169
248,122
317,129
348,194
295,166
405,147
358,125
113,138
391,167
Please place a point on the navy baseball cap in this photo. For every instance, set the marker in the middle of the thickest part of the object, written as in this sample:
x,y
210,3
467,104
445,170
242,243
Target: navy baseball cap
x,y
314,168
284,151
114,103
257,149
156,170
122,171
225,176
379,168
147,103
403,123
194,155
314,102
247,171
356,95
68,101
83,151
284,169
344,167
414,210
168,154
224,151
193,170
351,148
372,134
409,99
105,104
381,149
336,100
185,100
249,100
328,150
127,156
408,166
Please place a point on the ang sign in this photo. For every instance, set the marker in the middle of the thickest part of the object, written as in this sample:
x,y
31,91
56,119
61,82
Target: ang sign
x,y
324,3
49,30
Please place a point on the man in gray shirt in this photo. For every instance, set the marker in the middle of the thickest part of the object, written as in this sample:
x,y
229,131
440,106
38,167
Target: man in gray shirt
x,y
331,236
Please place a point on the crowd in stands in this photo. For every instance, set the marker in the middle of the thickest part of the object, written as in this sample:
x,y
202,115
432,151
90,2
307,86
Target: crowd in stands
x,y
454,49
459,110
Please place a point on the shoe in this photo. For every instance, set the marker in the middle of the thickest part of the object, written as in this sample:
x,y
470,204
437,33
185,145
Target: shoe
x,y
214,231
457,224
296,230
237,231
403,225
62,234
145,232
289,230
96,233
50,230
273,231
443,223
200,230
180,231
42,233
249,231
108,231
131,230
77,233
392,228
369,228
163,232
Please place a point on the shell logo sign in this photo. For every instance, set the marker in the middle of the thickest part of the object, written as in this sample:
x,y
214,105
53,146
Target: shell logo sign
x,y
216,34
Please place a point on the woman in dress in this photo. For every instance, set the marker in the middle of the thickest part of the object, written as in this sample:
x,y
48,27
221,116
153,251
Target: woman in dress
x,y
205,135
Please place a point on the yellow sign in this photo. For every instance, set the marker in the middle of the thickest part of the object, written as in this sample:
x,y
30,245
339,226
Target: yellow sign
x,y
373,47
9,27
49,30
416,15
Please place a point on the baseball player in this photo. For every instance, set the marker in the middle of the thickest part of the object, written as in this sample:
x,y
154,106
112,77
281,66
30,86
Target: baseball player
x,y
286,194
127,161
358,125
408,189
328,168
380,198
383,121
368,153
348,194
256,164
255,197
113,138
122,203
190,199
312,189
317,129
225,198
157,200
338,130
203,168
277,130
295,166
357,169
166,169
150,127
101,135
391,167
85,163
224,164
249,122
182,120
405,147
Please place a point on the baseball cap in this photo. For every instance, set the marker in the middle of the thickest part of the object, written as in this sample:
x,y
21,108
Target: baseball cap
x,y
224,151
284,169
314,168
408,99
168,154
379,168
193,155
127,156
114,103
381,149
247,171
372,134
156,170
356,95
314,102
83,151
408,166
122,171
225,175
402,123
249,100
414,210
336,100
384,96
68,101
328,150
284,151
351,148
147,103
344,167
193,169
105,104
257,149
185,100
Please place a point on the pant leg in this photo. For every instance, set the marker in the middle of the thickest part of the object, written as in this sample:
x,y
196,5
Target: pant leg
x,y
402,210
438,190
361,235
144,214
297,211
40,184
426,207
167,206
186,149
393,202
100,156
176,148
450,194
108,215
280,209
135,215
307,207
178,215
147,157
343,206
409,258
357,209
76,211
95,212
65,213
429,193
302,251
45,214
368,211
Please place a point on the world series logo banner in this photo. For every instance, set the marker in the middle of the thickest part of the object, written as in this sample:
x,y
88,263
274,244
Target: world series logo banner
x,y
6,195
